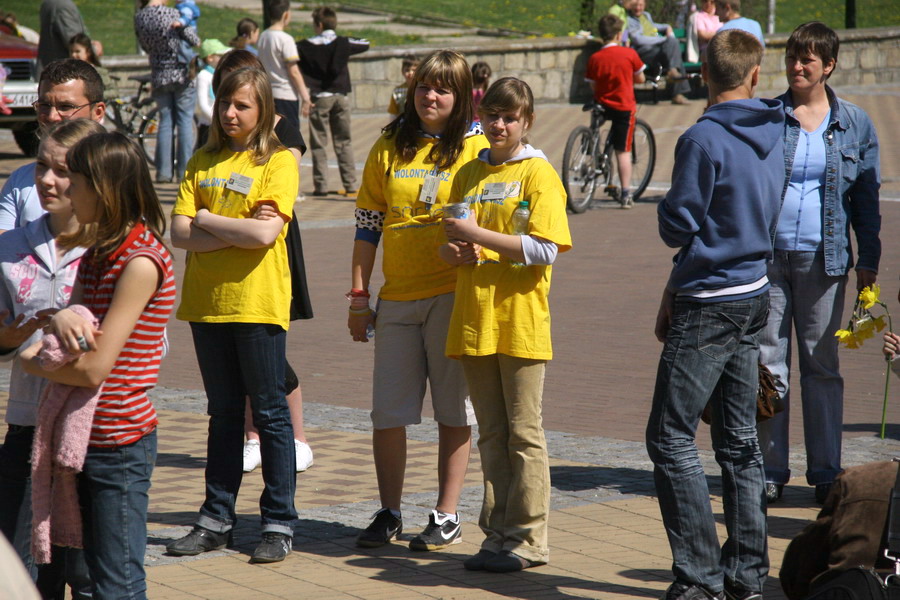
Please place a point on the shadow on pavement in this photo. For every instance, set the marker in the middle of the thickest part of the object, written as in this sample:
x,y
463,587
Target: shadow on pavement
x,y
891,431
445,569
621,479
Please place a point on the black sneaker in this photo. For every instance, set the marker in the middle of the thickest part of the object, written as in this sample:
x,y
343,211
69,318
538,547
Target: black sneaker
x,y
626,199
680,591
199,540
734,593
437,536
382,530
274,547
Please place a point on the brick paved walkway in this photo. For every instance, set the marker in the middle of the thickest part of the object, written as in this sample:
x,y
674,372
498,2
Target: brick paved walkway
x,y
606,536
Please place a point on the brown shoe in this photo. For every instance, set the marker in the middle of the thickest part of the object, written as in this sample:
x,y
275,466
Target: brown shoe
x,y
673,74
679,99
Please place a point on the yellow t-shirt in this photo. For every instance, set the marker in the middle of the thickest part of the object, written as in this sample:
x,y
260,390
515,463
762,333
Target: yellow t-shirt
x,y
501,307
237,285
412,230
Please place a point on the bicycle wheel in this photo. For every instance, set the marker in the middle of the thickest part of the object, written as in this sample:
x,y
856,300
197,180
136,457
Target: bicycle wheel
x,y
578,169
643,158
146,135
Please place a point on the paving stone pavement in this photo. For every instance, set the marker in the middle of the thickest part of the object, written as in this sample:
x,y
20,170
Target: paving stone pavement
x,y
606,536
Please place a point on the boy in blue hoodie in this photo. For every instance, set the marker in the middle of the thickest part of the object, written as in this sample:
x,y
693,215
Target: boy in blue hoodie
x,y
720,213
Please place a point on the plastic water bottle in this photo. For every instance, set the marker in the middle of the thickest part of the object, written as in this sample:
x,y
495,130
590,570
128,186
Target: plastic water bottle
x,y
520,220
370,328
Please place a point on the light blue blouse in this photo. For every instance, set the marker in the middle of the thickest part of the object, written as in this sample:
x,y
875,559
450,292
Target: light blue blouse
x,y
800,222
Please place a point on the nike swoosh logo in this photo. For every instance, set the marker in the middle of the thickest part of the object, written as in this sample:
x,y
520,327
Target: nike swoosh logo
x,y
448,536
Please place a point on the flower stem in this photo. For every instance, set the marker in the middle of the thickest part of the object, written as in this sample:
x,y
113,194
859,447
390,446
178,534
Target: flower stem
x,y
887,385
887,374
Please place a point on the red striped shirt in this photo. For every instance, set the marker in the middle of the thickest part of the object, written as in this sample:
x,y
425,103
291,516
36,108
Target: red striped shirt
x,y
124,413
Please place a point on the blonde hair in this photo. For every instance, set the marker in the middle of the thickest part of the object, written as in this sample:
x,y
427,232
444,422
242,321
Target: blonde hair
x,y
262,143
730,56
116,169
67,134
509,94
447,69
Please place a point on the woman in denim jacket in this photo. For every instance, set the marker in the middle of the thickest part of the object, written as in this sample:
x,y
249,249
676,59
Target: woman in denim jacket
x,y
831,184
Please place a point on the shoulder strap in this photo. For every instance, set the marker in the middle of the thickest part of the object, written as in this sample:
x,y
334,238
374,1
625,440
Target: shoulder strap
x,y
893,538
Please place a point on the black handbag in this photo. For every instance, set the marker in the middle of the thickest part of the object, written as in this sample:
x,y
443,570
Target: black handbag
x,y
864,583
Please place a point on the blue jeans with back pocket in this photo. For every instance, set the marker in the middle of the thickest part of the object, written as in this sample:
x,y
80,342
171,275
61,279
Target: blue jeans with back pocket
x,y
711,355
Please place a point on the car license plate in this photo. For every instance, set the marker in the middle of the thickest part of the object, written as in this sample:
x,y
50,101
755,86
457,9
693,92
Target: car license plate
x,y
21,100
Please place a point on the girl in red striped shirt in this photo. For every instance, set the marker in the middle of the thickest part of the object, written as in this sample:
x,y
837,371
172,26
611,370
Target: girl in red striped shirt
x,y
127,281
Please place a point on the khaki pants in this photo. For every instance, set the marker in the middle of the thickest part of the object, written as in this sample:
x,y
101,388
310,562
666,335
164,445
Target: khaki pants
x,y
506,395
331,112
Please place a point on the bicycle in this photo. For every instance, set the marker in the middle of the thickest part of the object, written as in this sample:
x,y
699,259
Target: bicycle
x,y
137,116
587,166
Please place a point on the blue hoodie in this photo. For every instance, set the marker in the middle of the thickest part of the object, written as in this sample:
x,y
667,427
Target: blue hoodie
x,y
725,197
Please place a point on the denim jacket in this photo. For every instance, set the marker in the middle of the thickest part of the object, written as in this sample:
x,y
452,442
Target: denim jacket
x,y
852,180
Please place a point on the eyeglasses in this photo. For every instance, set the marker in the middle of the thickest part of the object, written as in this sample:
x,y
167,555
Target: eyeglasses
x,y
63,110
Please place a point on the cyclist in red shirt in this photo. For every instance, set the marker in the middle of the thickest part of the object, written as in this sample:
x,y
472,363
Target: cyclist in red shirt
x,y
613,70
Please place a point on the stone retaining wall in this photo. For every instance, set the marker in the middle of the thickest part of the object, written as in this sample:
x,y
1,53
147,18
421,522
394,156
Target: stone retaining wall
x,y
554,67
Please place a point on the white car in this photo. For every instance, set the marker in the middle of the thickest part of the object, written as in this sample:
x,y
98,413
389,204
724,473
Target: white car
x,y
19,58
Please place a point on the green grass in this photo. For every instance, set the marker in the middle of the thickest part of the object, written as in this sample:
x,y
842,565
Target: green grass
x,y
112,22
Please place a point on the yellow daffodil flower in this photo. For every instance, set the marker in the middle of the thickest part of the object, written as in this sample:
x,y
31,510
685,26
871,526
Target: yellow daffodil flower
x,y
869,295
881,322
865,324
847,338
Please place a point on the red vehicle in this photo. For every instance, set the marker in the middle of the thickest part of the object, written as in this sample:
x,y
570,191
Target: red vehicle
x,y
20,60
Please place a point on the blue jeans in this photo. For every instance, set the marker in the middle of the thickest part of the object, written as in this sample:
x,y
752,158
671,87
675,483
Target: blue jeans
x,y
711,355
67,564
238,360
114,492
811,302
176,109
15,492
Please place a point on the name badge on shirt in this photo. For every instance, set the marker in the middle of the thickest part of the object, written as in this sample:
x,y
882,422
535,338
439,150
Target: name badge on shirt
x,y
239,183
494,191
430,186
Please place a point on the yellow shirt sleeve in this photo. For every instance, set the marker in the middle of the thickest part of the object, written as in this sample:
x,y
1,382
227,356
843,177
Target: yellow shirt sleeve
x,y
371,192
280,183
188,202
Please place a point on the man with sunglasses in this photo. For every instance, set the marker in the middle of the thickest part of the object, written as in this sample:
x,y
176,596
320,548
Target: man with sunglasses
x,y
68,89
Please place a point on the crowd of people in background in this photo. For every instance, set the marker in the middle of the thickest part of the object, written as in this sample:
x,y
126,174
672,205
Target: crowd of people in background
x,y
472,217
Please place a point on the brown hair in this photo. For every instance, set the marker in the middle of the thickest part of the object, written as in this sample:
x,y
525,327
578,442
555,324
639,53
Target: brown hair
x,y
481,75
509,94
67,69
608,27
325,16
409,61
815,38
232,61
262,143
730,56
117,171
83,40
445,68
245,28
275,9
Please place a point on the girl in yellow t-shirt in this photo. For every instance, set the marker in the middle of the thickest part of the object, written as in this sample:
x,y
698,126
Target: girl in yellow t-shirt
x,y
405,184
500,328
231,215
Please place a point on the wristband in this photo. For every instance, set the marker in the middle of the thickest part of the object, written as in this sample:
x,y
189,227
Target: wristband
x,y
355,293
360,311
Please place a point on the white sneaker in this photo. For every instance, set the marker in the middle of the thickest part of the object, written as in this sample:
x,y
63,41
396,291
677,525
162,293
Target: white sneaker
x,y
252,456
304,455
